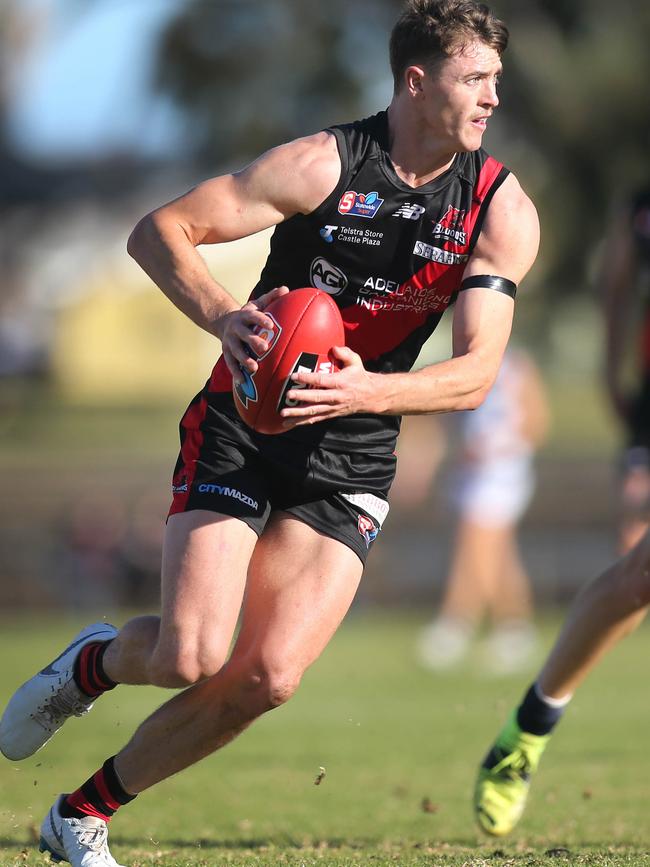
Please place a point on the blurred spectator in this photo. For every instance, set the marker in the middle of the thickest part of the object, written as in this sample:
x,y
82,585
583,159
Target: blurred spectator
x,y
625,280
142,548
90,565
108,552
493,481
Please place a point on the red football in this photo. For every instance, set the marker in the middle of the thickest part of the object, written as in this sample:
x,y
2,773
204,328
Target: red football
x,y
308,324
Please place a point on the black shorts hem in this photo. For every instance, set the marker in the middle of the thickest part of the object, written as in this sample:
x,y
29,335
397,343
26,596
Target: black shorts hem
x,y
358,547
250,522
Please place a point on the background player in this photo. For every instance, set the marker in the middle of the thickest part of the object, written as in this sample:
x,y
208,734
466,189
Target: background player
x,y
611,607
625,282
493,481
401,212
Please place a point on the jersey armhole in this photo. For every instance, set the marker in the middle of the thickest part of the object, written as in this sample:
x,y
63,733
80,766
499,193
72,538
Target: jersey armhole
x,y
344,154
478,225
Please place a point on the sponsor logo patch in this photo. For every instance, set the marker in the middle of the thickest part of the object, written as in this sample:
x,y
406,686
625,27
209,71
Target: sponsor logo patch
x,y
225,491
437,254
351,235
409,211
360,204
368,529
327,233
179,485
379,286
452,225
327,277
370,503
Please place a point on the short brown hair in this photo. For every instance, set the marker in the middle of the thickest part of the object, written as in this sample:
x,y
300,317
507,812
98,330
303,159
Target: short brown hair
x,y
430,30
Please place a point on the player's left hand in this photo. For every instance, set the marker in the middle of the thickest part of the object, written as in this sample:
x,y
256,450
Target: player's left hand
x,y
323,396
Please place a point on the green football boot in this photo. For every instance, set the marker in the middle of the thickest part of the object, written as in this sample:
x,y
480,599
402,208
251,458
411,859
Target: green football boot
x,y
504,778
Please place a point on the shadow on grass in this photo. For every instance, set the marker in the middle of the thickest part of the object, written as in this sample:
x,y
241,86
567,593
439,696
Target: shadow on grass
x,y
263,843
449,848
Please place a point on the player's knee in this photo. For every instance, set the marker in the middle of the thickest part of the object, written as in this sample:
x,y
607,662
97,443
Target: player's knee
x,y
625,586
177,668
271,686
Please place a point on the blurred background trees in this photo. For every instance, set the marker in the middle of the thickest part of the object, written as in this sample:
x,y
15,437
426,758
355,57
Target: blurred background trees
x,y
574,119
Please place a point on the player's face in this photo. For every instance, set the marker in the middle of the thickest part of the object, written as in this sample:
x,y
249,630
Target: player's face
x,y
460,94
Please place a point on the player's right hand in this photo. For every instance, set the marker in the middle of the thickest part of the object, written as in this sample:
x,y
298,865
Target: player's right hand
x,y
242,333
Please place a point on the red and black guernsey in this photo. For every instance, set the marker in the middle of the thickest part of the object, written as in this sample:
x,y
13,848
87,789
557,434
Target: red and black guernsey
x,y
391,256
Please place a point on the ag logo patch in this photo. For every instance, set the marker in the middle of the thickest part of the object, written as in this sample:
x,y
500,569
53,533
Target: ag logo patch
x,y
327,277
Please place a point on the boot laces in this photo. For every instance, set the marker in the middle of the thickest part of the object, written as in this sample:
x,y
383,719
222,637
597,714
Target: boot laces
x,y
515,764
64,703
94,839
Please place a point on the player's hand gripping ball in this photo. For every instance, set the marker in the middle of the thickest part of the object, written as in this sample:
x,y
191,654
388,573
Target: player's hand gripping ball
x,y
307,325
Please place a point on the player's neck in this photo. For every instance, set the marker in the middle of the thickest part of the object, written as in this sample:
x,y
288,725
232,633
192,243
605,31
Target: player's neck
x,y
416,155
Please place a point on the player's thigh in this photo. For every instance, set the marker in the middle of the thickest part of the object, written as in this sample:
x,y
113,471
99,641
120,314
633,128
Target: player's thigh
x,y
301,584
204,567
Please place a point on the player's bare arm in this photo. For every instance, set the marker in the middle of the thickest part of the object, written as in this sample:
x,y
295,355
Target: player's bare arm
x,y
506,248
292,178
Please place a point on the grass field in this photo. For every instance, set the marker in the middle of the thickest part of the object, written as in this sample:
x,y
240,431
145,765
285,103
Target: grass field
x,y
399,747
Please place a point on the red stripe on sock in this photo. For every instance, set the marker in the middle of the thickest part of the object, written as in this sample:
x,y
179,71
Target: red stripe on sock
x,y
78,801
98,679
85,658
104,792
90,681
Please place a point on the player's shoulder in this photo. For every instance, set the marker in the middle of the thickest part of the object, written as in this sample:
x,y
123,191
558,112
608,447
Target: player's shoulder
x,y
512,198
510,234
512,210
309,165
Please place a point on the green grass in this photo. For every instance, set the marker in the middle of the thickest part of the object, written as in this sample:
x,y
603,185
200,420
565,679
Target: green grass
x,y
391,737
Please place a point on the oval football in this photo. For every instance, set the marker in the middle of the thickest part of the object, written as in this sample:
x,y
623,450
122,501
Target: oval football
x,y
307,325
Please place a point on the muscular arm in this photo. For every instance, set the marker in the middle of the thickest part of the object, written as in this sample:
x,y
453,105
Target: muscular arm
x,y
507,247
290,179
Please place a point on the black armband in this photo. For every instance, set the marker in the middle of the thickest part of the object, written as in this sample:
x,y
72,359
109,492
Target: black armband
x,y
489,281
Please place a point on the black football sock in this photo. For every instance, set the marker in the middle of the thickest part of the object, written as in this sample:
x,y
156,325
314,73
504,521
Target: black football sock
x,y
100,796
538,714
88,673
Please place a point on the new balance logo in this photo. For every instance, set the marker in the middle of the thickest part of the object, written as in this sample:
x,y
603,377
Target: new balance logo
x,y
409,211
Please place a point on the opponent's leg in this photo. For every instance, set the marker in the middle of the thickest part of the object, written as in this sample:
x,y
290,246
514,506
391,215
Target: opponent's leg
x,y
635,498
513,637
445,641
486,575
606,611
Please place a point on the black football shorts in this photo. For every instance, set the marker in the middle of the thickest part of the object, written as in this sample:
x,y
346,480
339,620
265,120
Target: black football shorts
x,y
225,467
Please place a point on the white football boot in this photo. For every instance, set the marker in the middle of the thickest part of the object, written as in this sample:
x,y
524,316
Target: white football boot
x,y
38,709
444,642
82,842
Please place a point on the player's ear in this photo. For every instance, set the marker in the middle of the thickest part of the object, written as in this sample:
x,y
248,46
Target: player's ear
x,y
413,77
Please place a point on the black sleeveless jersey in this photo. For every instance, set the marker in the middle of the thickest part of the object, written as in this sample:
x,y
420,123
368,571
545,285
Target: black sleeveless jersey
x,y
640,226
390,255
